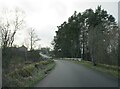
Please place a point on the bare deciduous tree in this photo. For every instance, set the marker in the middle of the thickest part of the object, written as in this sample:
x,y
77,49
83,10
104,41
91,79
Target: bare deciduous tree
x,y
33,38
11,22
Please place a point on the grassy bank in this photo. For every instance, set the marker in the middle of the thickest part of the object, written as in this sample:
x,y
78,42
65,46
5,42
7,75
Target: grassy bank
x,y
108,69
28,75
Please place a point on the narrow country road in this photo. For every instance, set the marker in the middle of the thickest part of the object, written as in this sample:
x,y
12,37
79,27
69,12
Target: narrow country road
x,y
68,74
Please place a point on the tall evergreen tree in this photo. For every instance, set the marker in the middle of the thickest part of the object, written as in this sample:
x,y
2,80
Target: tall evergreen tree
x,y
92,35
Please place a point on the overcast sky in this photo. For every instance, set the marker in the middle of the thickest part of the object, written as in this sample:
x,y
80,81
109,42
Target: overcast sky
x,y
46,15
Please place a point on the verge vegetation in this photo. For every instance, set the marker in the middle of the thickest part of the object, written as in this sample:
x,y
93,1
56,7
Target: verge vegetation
x,y
28,75
108,69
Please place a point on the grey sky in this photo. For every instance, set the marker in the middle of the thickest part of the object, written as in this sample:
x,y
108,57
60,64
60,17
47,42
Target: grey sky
x,y
46,15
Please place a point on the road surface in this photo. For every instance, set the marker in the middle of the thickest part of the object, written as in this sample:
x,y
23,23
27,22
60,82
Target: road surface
x,y
69,74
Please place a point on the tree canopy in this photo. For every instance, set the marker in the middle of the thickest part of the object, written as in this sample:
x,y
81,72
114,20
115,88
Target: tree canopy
x,y
92,35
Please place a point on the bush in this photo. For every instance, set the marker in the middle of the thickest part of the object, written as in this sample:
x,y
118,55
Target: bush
x,y
24,72
44,62
34,56
9,82
50,60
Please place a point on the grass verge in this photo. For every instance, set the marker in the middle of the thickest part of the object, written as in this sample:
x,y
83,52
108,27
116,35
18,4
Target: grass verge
x,y
28,75
108,69
40,76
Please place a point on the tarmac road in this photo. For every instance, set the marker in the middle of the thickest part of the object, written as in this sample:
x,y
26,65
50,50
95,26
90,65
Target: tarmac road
x,y
69,74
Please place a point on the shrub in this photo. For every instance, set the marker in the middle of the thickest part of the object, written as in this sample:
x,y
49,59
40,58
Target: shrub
x,y
44,62
33,56
10,82
27,71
